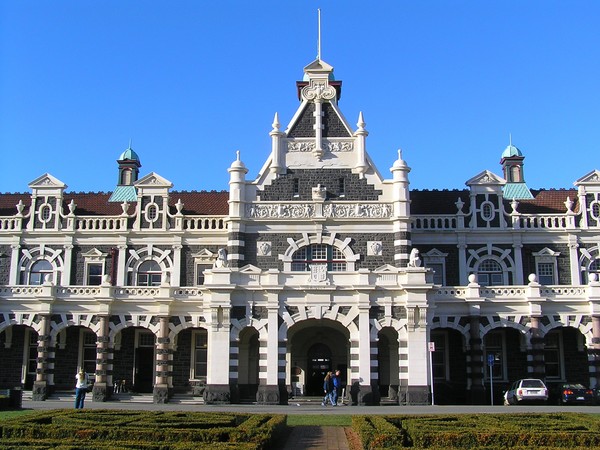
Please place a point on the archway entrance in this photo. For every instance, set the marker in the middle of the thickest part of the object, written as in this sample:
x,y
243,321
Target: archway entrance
x,y
315,347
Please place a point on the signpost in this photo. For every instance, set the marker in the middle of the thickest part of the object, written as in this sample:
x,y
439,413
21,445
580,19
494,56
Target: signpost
x,y
431,350
490,359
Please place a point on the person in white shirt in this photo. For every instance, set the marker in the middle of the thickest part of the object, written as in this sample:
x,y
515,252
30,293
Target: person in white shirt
x,y
80,389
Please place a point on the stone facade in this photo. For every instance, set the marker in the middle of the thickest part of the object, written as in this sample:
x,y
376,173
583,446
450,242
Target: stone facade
x,y
318,264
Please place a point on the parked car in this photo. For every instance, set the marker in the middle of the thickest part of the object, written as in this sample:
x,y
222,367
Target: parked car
x,y
575,393
526,390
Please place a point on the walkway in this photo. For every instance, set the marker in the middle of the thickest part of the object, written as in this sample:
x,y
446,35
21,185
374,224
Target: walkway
x,y
317,438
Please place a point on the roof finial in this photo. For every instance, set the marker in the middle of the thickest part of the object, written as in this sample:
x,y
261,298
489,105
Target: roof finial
x,y
510,139
319,35
129,143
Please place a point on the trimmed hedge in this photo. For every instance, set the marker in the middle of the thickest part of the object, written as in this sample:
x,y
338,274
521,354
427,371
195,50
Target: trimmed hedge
x,y
485,431
153,430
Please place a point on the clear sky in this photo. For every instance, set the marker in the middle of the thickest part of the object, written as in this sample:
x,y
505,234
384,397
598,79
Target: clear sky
x,y
192,82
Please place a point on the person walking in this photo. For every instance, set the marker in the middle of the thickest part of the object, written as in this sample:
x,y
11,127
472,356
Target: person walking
x,y
328,389
81,388
337,386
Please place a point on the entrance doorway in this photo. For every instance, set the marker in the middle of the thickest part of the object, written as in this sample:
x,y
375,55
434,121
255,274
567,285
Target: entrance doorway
x,y
319,359
143,380
315,347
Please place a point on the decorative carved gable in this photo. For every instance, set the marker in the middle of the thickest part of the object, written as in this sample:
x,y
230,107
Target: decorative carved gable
x,y
47,183
486,178
153,180
204,255
590,179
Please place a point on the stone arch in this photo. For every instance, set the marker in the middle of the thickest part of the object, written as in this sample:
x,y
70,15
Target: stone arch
x,y
580,322
319,238
501,256
30,256
150,253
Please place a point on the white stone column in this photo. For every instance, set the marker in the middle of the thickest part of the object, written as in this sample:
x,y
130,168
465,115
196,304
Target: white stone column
x,y
217,376
574,262
65,279
121,269
14,265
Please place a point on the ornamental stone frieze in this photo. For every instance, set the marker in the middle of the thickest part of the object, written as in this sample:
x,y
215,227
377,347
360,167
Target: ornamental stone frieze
x,y
318,90
309,210
328,146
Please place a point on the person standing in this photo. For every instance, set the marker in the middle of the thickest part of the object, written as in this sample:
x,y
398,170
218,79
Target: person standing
x,y
81,388
328,389
337,386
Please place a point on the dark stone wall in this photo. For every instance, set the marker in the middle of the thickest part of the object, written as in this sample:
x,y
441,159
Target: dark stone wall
x,y
279,245
576,362
65,366
332,125
12,358
355,188
123,359
182,359
6,252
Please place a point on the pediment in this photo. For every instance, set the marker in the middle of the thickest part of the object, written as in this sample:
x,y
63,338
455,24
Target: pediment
x,y
319,66
94,254
592,178
546,252
486,178
387,268
250,269
47,181
435,253
204,255
153,180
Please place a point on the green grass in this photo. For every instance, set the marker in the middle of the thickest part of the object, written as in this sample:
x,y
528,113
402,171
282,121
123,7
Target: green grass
x,y
321,420
14,413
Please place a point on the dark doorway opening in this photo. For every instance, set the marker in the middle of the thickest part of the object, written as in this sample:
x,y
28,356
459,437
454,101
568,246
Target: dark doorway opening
x,y
144,369
319,363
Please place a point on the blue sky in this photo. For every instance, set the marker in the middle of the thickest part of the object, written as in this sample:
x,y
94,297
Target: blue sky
x,y
192,82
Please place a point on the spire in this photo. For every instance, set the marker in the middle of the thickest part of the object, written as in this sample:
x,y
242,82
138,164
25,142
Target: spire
x,y
319,34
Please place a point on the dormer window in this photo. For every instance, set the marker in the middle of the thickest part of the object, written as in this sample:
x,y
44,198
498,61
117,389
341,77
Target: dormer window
x,y
152,212
45,213
487,211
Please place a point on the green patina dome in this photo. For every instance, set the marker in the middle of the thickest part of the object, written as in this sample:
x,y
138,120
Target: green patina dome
x,y
129,154
511,150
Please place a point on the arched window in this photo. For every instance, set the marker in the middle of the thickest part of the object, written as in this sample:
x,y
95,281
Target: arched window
x,y
38,272
489,273
149,274
318,254
594,267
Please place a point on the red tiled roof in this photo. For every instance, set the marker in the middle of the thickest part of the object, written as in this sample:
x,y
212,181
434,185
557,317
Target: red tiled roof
x,y
97,204
443,202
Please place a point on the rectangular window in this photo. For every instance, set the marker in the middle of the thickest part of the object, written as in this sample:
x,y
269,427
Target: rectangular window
x,y
438,357
342,187
545,272
200,268
200,355
88,352
33,353
296,187
552,356
438,273
94,274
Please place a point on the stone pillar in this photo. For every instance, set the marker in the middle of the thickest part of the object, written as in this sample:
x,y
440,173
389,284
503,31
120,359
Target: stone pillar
x,y
518,264
476,363
217,377
418,389
362,390
102,389
40,386
537,367
574,261
65,278
121,261
14,264
594,353
161,382
273,392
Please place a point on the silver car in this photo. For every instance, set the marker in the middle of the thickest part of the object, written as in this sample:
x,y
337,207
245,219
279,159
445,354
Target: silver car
x,y
526,390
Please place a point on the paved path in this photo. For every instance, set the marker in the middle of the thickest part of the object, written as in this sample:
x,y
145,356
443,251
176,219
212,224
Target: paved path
x,y
317,438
